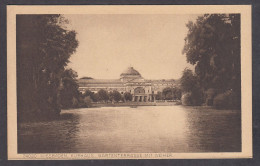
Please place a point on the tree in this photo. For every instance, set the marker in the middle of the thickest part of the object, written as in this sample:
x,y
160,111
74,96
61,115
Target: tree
x,y
191,88
69,90
128,96
114,96
213,46
168,93
95,97
171,93
103,95
159,96
87,101
110,96
117,96
177,93
188,80
43,49
89,93
75,102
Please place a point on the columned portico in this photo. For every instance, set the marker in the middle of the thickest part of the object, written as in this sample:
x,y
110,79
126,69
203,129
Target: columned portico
x,y
142,98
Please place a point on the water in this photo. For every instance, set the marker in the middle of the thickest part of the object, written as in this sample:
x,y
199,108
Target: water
x,y
147,129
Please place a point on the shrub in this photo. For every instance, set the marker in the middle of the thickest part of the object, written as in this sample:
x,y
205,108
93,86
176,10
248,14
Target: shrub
x,y
128,96
221,101
116,96
197,97
194,98
103,95
95,97
186,99
159,96
209,96
75,102
227,100
87,101
235,100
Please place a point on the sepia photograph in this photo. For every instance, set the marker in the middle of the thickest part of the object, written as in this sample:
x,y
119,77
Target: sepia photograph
x,y
130,84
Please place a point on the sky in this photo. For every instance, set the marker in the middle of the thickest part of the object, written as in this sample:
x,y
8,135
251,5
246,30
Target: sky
x,y
109,44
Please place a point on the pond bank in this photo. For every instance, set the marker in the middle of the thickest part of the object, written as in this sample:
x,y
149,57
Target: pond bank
x,y
130,104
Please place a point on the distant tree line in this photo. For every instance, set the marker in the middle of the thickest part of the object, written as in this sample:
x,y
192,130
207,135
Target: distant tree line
x,y
169,93
212,45
105,96
115,96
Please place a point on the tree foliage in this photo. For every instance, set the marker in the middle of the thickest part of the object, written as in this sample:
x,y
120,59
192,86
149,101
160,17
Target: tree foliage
x,y
188,81
89,93
69,90
191,88
168,94
44,47
87,101
103,95
117,96
213,46
159,96
171,93
128,96
114,96
95,97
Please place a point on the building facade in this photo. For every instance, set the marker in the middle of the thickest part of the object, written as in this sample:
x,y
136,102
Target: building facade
x,y
130,81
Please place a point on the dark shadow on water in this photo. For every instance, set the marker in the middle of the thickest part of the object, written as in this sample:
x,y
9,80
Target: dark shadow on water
x,y
56,135
216,131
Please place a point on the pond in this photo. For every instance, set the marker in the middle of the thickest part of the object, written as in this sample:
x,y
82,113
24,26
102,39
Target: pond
x,y
145,129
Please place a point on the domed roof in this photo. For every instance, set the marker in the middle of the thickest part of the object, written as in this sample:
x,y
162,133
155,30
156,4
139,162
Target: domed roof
x,y
130,71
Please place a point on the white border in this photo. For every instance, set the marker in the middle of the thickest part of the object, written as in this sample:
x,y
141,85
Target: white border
x,y
246,75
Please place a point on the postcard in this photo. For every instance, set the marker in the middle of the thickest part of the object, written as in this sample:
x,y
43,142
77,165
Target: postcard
x,y
129,82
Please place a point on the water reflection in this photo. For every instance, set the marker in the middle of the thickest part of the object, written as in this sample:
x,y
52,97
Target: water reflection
x,y
142,129
214,130
49,136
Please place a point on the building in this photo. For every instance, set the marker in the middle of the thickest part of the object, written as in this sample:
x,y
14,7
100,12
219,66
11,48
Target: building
x,y
130,81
